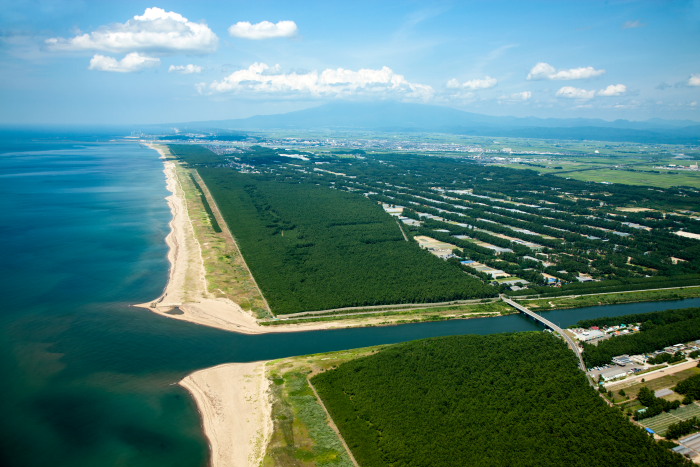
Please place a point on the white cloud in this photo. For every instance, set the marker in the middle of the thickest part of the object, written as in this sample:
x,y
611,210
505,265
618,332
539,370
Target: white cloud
x,y
185,69
263,79
613,90
518,96
156,31
132,62
546,71
571,92
263,30
473,84
694,80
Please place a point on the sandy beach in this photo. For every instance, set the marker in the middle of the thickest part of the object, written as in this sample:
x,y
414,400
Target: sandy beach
x,y
186,296
234,402
232,398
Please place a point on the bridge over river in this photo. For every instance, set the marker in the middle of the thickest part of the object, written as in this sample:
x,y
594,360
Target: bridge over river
x,y
567,338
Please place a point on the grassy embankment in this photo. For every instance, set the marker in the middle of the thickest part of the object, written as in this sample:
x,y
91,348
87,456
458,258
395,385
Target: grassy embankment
x,y
579,301
301,432
391,317
227,275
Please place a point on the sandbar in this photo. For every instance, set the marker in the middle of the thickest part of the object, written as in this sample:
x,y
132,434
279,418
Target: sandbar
x,y
234,401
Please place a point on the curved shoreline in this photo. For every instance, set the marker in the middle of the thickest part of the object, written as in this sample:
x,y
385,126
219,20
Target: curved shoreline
x,y
234,402
186,291
233,398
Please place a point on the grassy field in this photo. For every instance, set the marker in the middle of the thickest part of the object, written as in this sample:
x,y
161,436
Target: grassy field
x,y
668,381
389,317
664,179
301,434
660,423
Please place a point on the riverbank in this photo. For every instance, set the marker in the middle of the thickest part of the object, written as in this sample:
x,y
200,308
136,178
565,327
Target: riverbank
x,y
235,405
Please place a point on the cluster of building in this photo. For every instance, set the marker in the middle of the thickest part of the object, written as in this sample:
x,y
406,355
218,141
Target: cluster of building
x,y
623,365
596,333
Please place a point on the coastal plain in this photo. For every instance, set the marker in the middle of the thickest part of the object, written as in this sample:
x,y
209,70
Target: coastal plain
x,y
189,297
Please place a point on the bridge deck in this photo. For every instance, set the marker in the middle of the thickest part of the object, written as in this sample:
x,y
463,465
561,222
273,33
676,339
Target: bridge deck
x,y
567,338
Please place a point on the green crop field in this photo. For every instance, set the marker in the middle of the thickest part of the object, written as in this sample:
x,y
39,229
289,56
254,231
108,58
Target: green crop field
x,y
660,423
498,400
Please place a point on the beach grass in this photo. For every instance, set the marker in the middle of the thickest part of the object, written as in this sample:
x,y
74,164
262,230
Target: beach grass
x,y
301,431
226,271
439,313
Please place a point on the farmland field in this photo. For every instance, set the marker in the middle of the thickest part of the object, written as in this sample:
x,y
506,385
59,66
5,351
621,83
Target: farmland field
x,y
661,422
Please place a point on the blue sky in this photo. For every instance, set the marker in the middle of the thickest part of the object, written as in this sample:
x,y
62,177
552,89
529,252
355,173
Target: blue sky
x,y
72,61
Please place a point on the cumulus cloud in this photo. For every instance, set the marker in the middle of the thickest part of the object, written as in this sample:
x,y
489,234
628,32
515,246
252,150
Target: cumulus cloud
x,y
546,71
613,90
571,92
339,82
474,84
156,31
694,80
185,69
263,30
131,62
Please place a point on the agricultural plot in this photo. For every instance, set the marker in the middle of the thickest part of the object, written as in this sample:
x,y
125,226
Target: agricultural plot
x,y
660,423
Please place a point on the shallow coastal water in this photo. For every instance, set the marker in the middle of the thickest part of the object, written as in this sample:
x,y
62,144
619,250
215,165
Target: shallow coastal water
x,y
88,379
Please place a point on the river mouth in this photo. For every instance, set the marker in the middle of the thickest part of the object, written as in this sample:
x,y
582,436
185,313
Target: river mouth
x,y
91,380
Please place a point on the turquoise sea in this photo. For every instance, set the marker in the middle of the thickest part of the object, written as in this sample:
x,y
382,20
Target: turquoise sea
x,y
89,380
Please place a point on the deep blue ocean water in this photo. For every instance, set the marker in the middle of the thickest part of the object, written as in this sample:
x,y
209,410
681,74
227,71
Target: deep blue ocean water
x,y
89,380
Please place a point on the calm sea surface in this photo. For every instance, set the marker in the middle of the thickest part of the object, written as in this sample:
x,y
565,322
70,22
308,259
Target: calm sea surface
x,y
89,380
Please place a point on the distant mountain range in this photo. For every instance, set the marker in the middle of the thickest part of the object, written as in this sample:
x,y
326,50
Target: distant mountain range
x,y
400,117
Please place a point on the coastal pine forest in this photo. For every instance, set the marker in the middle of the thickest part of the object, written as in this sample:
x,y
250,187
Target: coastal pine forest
x,y
311,227
498,400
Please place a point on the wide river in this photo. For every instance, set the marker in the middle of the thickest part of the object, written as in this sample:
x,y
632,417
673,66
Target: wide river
x,y
89,380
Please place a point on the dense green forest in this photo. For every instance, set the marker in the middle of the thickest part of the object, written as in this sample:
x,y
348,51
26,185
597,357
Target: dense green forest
x,y
659,330
647,319
511,220
689,387
313,248
653,405
497,400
